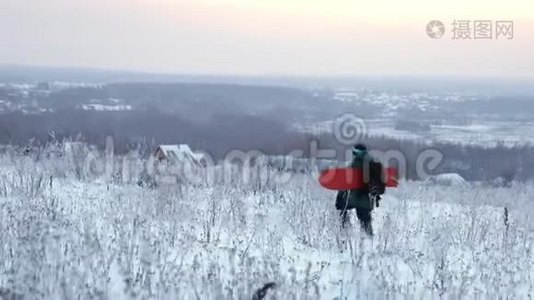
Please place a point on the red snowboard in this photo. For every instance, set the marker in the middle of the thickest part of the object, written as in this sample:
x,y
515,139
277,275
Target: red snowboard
x,y
349,178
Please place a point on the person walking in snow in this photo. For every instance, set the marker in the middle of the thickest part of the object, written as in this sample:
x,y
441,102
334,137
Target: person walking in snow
x,y
364,199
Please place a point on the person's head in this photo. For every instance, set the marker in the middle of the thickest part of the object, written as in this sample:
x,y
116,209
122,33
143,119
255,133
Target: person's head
x,y
359,150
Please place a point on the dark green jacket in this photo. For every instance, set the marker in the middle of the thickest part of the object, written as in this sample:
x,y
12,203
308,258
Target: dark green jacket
x,y
358,197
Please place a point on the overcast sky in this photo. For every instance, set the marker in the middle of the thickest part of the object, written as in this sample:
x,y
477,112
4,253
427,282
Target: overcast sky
x,y
270,37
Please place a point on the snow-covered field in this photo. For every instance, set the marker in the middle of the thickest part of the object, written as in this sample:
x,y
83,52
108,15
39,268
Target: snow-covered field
x,y
483,133
69,236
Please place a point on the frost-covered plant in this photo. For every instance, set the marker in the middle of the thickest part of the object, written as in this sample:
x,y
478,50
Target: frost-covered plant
x,y
102,236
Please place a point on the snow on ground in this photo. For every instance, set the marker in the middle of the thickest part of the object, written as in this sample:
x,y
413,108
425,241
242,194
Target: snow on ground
x,y
391,102
485,133
66,237
102,107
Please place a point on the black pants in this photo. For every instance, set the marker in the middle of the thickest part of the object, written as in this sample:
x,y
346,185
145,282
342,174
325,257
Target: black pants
x,y
364,216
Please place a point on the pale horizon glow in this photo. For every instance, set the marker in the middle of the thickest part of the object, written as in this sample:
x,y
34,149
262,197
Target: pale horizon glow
x,y
253,37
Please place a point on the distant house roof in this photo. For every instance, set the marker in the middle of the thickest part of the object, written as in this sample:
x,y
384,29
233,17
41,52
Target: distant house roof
x,y
179,153
447,179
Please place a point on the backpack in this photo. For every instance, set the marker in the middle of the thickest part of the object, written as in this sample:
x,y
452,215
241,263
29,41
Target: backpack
x,y
376,185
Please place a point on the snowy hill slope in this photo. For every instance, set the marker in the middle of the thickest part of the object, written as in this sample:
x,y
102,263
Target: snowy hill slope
x,y
86,238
